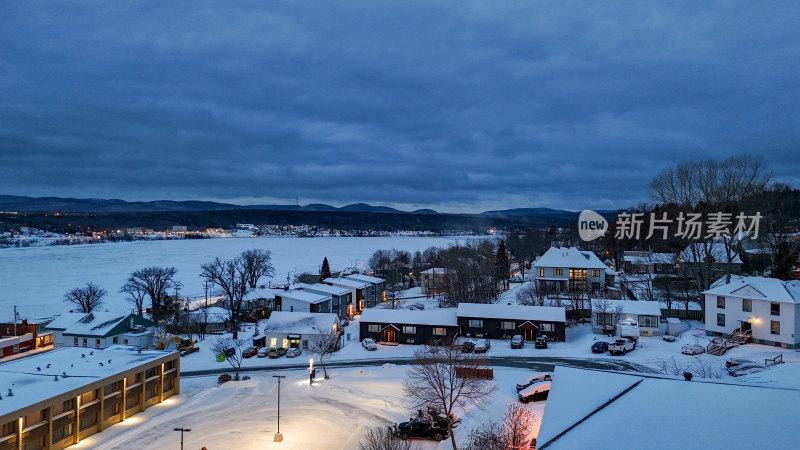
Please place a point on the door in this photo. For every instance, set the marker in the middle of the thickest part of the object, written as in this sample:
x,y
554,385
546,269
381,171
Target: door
x,y
528,331
390,334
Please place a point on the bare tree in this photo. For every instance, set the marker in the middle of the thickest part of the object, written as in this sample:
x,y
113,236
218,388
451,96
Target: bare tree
x,y
223,346
86,298
433,381
518,426
257,264
156,283
380,438
136,294
230,276
323,344
486,436
532,295
671,367
705,368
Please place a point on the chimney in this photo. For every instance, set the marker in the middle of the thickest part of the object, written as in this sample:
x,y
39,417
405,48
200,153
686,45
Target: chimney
x,y
687,376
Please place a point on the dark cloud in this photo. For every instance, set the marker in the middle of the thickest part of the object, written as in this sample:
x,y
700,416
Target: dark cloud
x,y
456,106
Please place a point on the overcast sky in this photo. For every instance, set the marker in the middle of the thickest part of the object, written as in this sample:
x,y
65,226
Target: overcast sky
x,y
458,106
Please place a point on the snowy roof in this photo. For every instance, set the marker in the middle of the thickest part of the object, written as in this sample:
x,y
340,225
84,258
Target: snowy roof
x,y
571,257
31,386
351,283
759,288
64,320
630,307
304,296
705,407
323,288
95,323
261,293
438,271
215,313
646,258
512,312
365,278
444,317
299,322
716,250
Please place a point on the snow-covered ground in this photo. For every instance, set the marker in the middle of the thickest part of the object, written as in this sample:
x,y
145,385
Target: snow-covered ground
x,y
331,414
36,278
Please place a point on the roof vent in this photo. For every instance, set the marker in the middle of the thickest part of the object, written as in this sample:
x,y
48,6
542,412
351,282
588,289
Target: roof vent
x,y
687,376
10,392
56,378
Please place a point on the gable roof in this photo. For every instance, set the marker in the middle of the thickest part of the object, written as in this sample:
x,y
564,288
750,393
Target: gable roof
x,y
323,288
716,250
445,317
759,288
63,321
102,324
299,322
304,296
512,312
644,308
569,257
365,278
351,283
703,405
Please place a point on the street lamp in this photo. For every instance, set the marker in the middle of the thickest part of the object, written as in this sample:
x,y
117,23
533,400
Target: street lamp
x,y
278,435
182,430
311,371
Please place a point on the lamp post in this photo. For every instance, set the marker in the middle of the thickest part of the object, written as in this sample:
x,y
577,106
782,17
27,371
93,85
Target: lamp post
x,y
278,435
182,430
311,371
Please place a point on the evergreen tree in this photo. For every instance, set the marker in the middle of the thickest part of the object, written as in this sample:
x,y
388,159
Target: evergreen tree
x,y
785,262
502,264
325,272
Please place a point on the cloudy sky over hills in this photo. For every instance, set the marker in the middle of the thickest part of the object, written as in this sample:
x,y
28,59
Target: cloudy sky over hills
x,y
458,106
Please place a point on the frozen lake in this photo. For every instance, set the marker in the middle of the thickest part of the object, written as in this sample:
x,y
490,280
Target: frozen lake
x,y
36,278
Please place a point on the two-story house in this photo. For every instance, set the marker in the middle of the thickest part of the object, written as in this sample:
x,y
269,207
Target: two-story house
x,y
563,269
376,290
767,308
647,262
340,297
101,329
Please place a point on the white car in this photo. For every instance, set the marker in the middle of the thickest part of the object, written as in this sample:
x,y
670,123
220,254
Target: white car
x,y
369,344
293,352
533,380
733,362
693,349
746,369
480,345
262,352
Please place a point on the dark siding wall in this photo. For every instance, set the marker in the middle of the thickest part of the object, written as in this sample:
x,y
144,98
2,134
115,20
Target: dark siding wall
x,y
491,328
424,333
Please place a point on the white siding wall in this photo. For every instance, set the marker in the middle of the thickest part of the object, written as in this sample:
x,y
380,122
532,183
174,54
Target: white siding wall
x,y
761,311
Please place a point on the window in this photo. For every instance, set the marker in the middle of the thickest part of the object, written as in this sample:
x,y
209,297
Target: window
x,y
648,321
125,342
558,272
747,305
74,342
115,340
541,273
97,342
285,343
547,327
305,343
605,319
409,341
774,327
720,302
658,267
475,323
507,325
438,331
407,329
9,428
85,342
595,273
273,342
374,328
720,320
775,309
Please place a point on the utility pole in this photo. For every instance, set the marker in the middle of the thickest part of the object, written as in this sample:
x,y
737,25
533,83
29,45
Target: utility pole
x,y
278,435
182,430
15,320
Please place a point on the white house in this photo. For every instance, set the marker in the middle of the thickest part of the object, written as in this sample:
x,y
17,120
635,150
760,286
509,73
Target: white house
x,y
768,308
626,317
570,268
301,300
101,329
358,290
433,280
295,329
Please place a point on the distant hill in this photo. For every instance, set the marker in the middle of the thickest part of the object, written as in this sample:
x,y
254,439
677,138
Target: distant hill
x,y
529,212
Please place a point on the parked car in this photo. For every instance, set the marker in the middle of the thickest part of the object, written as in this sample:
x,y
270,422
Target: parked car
x,y
229,352
540,342
467,347
421,427
668,338
693,349
733,362
534,379
600,347
262,352
517,341
746,369
369,344
480,345
275,352
417,306
622,346
293,352
535,392
249,352
344,323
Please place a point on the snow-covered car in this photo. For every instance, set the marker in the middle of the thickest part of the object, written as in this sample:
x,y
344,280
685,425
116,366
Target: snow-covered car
x,y
746,369
534,379
693,349
733,362
276,352
293,352
250,352
369,344
517,341
344,323
479,345
419,306
535,392
668,338
621,346
262,352
600,347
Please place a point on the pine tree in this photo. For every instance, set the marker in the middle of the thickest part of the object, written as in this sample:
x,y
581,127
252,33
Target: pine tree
x,y
785,262
325,272
502,265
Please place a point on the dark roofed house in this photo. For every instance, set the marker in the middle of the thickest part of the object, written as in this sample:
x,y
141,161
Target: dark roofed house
x,y
501,321
101,329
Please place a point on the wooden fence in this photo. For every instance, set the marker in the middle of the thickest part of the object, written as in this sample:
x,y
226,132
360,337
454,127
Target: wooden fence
x,y
470,372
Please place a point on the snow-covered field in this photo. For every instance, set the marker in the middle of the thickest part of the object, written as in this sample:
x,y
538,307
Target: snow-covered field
x,y
331,414
36,278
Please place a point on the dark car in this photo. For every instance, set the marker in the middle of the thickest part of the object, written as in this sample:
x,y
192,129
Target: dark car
x,y
517,341
540,342
250,352
600,347
421,428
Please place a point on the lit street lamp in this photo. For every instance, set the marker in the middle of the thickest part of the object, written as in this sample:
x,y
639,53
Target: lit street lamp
x,y
182,430
278,435
311,371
